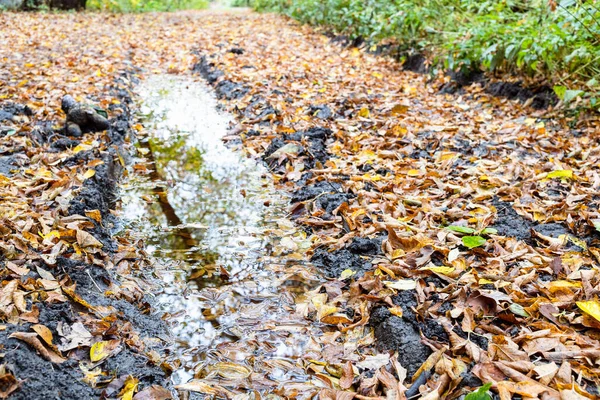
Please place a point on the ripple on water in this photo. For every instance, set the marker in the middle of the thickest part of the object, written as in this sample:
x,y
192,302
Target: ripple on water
x,y
200,208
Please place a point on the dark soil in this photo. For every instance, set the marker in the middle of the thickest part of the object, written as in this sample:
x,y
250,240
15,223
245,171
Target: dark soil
x,y
415,63
8,164
225,89
40,378
509,223
355,256
321,111
308,192
44,380
542,96
9,111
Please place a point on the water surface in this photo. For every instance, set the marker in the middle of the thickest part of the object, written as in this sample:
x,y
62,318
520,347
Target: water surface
x,y
228,258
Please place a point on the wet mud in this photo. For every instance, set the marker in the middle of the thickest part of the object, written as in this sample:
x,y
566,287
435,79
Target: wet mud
x,y
41,379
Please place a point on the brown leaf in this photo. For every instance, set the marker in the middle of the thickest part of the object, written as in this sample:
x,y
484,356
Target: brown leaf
x,y
153,392
32,340
347,376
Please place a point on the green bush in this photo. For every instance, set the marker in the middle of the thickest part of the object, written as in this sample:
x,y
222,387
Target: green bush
x,y
126,6
540,38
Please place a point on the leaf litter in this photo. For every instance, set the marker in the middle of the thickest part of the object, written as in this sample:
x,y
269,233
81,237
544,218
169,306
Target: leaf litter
x,y
374,182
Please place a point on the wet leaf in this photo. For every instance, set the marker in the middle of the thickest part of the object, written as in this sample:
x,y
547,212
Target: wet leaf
x,y
32,340
461,229
473,241
129,388
153,392
481,393
103,349
230,370
402,284
591,307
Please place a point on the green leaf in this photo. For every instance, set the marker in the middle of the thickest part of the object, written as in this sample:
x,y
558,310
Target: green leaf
x,y
473,241
480,394
571,95
489,231
560,91
461,229
100,111
518,310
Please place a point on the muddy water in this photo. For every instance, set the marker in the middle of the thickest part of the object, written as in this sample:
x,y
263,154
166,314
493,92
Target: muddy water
x,y
228,260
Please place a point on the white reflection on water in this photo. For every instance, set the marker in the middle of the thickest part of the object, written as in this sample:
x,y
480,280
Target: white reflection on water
x,y
212,318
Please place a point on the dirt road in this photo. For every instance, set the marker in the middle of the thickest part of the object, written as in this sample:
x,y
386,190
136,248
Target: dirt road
x,y
409,234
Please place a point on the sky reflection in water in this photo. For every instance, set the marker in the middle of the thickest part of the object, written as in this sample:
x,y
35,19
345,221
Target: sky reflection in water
x,y
221,285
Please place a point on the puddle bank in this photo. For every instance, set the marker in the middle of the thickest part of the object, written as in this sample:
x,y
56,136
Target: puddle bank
x,y
228,258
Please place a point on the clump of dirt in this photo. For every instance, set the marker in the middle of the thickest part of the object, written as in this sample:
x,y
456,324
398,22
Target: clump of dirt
x,y
230,90
460,79
356,256
403,334
332,264
225,89
416,63
509,223
307,192
542,96
8,164
320,111
9,111
330,202
311,145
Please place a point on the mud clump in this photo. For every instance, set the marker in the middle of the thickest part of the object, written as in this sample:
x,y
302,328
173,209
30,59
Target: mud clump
x,y
509,223
311,142
332,264
83,118
225,89
207,70
229,90
403,334
541,97
415,63
9,111
8,164
311,191
321,112
354,257
330,202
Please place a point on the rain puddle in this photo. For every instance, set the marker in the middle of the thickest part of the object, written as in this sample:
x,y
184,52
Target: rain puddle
x,y
225,252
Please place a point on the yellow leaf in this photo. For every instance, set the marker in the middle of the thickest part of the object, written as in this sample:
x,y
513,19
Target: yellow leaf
x,y
396,310
129,389
556,286
561,173
347,273
81,147
440,270
94,214
364,112
591,307
413,172
399,109
89,173
397,253
103,349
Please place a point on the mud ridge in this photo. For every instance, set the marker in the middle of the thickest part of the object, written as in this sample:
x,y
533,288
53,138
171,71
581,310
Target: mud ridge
x,y
41,378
